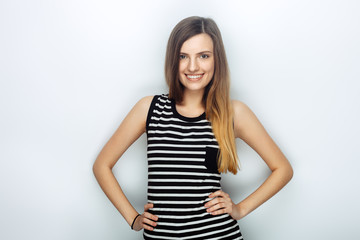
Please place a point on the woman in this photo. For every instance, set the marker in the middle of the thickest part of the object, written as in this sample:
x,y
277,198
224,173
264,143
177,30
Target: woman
x,y
191,139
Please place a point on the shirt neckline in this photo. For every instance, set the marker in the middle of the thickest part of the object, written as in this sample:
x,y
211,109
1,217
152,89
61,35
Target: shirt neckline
x,y
189,119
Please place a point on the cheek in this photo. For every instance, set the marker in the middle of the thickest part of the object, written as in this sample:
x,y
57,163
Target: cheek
x,y
182,67
209,68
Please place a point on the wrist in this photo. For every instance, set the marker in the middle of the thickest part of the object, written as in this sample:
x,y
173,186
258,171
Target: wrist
x,y
242,210
133,222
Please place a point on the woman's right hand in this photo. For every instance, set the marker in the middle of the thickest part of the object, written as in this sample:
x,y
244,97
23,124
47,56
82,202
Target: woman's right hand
x,y
146,220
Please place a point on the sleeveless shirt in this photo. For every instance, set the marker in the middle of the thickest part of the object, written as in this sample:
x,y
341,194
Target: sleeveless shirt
x,y
182,172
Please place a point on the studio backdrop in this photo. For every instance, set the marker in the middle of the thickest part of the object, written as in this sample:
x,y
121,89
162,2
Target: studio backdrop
x,y
71,70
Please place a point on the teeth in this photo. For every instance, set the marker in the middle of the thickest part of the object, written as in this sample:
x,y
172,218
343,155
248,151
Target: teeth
x,y
194,76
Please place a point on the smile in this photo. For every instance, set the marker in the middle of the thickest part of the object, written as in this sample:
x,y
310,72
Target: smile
x,y
193,77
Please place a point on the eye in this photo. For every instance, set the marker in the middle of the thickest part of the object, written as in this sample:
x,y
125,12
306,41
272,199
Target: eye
x,y
204,56
182,56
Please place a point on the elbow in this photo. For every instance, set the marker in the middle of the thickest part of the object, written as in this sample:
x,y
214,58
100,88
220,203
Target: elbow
x,y
289,173
95,168
285,172
99,168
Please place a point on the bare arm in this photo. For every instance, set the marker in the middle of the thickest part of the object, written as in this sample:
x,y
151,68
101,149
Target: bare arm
x,y
131,128
248,128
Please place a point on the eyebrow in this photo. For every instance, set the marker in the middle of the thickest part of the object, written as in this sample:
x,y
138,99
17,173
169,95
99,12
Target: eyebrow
x,y
202,52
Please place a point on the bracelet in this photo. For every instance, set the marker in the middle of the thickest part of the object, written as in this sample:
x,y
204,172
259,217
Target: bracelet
x,y
132,225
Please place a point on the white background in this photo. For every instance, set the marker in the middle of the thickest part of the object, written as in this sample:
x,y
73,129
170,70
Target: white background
x,y
70,71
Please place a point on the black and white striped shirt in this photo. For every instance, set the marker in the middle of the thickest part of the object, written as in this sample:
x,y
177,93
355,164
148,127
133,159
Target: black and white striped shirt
x,y
182,172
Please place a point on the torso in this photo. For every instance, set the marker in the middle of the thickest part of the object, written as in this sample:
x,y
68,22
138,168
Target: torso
x,y
182,172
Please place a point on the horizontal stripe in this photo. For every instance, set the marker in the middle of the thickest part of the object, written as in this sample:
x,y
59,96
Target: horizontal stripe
x,y
162,106
178,126
178,194
175,166
185,180
175,152
177,209
179,202
176,120
228,235
195,229
185,173
182,187
166,119
163,100
193,222
210,233
175,159
163,112
183,139
183,217
189,237
179,133
176,145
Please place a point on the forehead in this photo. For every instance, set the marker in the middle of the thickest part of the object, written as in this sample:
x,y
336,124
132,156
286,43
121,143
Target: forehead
x,y
199,43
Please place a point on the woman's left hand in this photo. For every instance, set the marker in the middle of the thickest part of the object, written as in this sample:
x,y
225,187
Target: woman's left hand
x,y
222,203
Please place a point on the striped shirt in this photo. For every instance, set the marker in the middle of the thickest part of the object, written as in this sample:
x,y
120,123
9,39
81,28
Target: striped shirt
x,y
182,172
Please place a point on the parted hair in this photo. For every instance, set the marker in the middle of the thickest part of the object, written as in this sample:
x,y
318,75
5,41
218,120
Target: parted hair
x,y
216,97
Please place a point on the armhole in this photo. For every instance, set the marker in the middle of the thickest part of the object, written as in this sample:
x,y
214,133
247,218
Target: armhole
x,y
152,105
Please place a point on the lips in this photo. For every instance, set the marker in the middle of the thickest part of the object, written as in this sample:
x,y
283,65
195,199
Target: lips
x,y
194,77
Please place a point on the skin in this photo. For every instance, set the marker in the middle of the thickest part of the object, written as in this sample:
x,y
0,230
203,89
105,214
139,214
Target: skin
x,y
196,59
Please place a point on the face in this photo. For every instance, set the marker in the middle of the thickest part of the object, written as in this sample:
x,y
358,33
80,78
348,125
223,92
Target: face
x,y
196,64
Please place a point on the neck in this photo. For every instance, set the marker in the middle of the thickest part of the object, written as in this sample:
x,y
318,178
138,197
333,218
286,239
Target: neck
x,y
191,105
193,99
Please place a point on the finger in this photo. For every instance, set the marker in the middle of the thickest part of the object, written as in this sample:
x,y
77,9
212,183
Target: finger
x,y
148,206
150,216
216,207
147,227
149,222
218,212
219,193
213,202
215,194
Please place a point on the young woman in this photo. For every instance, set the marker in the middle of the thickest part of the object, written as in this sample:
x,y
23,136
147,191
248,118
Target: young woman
x,y
191,135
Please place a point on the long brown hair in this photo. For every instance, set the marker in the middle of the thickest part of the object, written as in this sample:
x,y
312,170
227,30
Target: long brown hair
x,y
216,97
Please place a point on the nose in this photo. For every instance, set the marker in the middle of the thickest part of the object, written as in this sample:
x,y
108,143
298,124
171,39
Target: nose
x,y
193,65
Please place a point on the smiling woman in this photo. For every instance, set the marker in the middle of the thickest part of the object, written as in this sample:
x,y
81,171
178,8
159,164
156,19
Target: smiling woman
x,y
191,135
196,67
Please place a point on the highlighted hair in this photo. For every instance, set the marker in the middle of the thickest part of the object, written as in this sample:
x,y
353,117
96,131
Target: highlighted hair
x,y
216,98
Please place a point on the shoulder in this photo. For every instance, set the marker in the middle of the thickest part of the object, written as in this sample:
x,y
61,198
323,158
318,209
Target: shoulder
x,y
144,103
138,115
240,109
244,118
141,108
